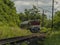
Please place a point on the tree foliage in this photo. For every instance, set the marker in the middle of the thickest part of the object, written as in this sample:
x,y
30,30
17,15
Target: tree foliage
x,y
8,12
30,14
57,20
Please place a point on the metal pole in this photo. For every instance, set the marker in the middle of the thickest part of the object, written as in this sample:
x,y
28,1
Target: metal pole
x,y
52,12
42,18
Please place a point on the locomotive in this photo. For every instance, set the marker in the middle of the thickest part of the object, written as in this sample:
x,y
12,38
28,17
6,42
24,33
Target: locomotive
x,y
32,25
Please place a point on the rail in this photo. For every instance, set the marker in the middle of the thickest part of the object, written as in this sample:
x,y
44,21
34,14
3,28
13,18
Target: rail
x,y
21,39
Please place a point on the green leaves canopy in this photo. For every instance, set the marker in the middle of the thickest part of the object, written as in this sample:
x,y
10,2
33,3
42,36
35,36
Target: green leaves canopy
x,y
30,14
8,12
57,20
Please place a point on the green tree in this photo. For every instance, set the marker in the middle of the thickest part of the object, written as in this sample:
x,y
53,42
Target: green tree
x,y
30,14
8,13
57,20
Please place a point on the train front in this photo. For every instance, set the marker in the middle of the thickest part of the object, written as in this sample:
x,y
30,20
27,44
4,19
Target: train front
x,y
34,26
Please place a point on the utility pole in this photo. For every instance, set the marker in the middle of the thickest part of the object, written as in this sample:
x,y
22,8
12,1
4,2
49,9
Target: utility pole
x,y
42,18
52,12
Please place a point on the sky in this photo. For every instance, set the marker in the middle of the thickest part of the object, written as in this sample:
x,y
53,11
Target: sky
x,y
44,4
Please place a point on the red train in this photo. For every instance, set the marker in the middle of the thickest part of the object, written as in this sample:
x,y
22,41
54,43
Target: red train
x,y
32,25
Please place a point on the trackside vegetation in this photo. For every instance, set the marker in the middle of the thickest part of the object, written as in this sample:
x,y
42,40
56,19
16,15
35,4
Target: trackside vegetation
x,y
9,21
54,37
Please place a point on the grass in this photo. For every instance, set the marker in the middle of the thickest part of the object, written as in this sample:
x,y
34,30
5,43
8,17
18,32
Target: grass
x,y
8,32
53,39
14,31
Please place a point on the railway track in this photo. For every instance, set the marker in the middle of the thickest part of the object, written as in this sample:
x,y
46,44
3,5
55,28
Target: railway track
x,y
21,39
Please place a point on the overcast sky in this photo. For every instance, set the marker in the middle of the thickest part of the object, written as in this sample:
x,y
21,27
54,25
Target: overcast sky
x,y
45,4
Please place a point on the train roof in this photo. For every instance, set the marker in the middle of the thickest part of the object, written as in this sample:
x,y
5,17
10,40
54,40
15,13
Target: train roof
x,y
25,22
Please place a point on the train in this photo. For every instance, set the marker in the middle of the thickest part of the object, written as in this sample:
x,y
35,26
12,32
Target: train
x,y
32,25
